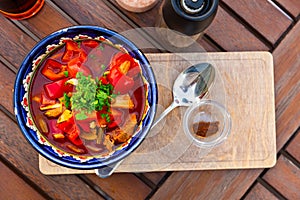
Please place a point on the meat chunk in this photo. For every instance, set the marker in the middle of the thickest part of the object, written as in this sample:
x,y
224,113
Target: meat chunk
x,y
122,134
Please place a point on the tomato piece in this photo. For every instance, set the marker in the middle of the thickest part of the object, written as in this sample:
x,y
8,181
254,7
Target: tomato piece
x,y
82,56
119,58
46,101
54,70
67,56
116,118
124,85
71,45
75,66
103,80
56,89
73,51
73,136
119,61
134,69
114,76
71,131
90,43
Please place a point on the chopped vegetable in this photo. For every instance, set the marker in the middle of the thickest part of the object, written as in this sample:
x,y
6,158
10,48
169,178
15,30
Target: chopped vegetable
x,y
49,107
93,98
123,101
66,115
54,112
123,133
58,136
76,149
56,89
43,125
66,100
54,70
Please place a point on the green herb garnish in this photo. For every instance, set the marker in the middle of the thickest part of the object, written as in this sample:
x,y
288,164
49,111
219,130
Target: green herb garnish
x,y
81,116
66,100
91,95
83,99
103,96
106,117
66,73
101,47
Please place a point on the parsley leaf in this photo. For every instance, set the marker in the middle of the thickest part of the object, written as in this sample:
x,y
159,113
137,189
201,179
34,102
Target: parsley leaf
x,y
82,100
91,95
66,100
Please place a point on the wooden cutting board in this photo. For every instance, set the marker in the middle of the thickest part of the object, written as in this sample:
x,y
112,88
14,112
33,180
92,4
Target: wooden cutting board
x,y
244,84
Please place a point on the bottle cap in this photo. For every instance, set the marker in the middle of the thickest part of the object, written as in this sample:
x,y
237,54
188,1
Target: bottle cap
x,y
189,17
192,6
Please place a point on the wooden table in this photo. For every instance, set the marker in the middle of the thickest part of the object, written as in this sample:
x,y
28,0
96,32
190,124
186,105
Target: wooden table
x,y
243,25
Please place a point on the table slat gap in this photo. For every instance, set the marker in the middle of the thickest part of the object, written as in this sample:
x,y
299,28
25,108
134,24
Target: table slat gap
x,y
247,25
145,180
289,7
160,183
269,187
60,11
284,34
254,184
213,43
94,187
26,30
290,158
8,64
8,113
24,177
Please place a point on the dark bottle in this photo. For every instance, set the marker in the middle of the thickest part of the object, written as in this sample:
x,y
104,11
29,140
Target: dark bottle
x,y
188,17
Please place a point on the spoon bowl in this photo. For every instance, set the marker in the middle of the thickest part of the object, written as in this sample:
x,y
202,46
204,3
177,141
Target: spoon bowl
x,y
193,83
190,85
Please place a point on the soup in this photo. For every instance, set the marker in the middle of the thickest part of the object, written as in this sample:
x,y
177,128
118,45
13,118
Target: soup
x,y
88,96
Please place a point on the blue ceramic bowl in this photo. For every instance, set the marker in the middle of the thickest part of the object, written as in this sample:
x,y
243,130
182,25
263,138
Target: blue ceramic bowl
x,y
22,113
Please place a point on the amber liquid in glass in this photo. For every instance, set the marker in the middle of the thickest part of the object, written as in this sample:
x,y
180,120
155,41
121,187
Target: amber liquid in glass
x,y
20,9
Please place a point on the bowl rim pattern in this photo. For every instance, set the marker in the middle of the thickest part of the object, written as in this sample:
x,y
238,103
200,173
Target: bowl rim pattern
x,y
22,113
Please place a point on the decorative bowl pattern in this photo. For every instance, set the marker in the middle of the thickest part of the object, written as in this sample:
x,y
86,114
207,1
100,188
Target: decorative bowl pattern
x,y
21,102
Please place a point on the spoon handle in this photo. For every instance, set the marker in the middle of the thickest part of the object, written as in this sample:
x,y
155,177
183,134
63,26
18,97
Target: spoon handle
x,y
163,114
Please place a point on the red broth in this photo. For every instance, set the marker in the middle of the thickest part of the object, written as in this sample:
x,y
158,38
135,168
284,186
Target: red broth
x,y
103,130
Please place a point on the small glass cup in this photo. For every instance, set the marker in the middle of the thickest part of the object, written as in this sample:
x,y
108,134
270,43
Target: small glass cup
x,y
207,123
20,9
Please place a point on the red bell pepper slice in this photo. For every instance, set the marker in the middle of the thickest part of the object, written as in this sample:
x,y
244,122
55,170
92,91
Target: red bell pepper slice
x,y
71,131
54,70
71,45
73,51
75,66
56,89
121,83
73,136
90,43
120,58
124,85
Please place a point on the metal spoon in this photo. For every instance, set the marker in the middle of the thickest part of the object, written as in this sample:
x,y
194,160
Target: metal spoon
x,y
191,84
